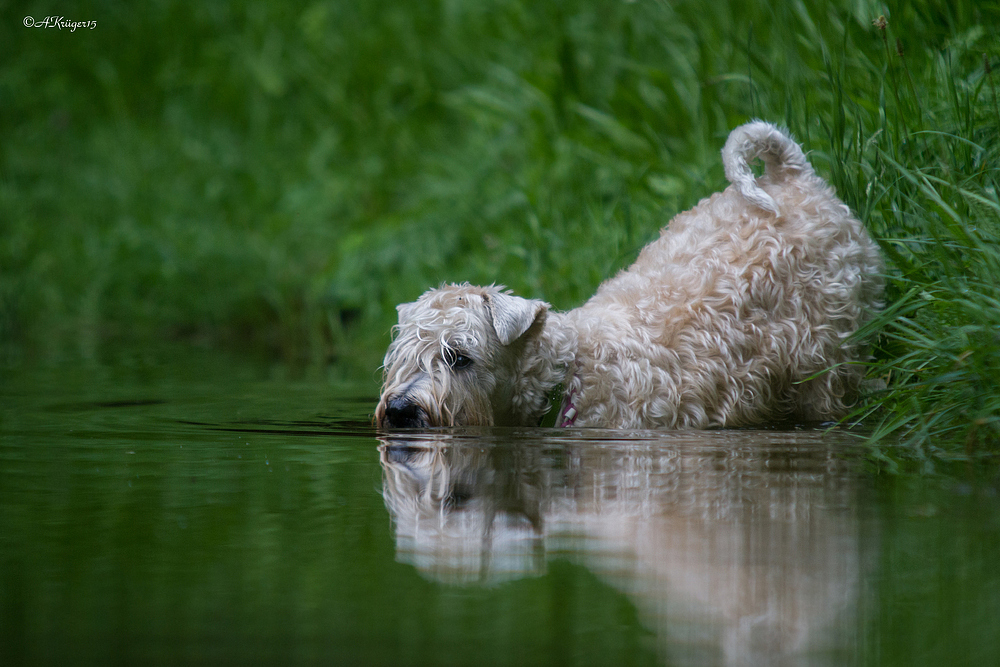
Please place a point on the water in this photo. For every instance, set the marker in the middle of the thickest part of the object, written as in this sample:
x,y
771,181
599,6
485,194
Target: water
x,y
195,508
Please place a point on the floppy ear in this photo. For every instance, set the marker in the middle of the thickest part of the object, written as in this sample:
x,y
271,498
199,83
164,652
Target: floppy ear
x,y
512,315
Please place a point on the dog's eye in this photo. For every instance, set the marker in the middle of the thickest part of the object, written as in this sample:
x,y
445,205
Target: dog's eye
x,y
457,360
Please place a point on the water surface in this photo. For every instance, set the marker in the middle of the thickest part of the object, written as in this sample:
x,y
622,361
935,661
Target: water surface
x,y
199,508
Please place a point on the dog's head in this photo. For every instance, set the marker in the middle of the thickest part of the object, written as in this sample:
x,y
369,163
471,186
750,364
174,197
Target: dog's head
x,y
455,356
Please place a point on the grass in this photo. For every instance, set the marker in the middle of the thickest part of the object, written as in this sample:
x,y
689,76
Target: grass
x,y
926,182
279,178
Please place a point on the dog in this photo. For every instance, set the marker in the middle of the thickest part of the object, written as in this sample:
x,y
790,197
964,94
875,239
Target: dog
x,y
740,314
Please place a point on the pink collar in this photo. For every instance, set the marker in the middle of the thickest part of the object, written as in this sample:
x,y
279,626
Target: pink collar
x,y
567,413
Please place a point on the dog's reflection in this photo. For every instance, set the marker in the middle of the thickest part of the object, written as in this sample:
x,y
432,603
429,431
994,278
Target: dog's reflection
x,y
736,551
463,513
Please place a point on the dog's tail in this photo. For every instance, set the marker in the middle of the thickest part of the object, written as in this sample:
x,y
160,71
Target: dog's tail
x,y
783,158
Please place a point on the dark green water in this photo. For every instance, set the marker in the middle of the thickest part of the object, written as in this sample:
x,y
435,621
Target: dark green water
x,y
206,509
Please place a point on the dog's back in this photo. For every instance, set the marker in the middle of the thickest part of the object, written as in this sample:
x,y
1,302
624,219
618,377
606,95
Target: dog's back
x,y
732,316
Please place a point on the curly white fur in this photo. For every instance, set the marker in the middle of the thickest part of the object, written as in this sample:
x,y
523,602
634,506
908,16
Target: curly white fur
x,y
738,314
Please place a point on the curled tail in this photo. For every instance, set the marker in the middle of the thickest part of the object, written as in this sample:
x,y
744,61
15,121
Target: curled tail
x,y
782,157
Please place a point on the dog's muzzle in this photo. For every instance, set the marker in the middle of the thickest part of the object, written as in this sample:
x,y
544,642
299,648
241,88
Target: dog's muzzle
x,y
401,412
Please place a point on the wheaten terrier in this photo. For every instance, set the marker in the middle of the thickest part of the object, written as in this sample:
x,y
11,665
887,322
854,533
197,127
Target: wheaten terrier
x,y
740,313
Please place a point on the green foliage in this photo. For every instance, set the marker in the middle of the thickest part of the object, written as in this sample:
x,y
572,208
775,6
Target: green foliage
x,y
283,176
921,168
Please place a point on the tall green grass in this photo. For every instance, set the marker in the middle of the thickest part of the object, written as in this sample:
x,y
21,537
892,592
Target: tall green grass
x,y
280,177
922,168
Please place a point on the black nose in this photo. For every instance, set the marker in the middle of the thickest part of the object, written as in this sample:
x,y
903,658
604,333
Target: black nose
x,y
402,413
